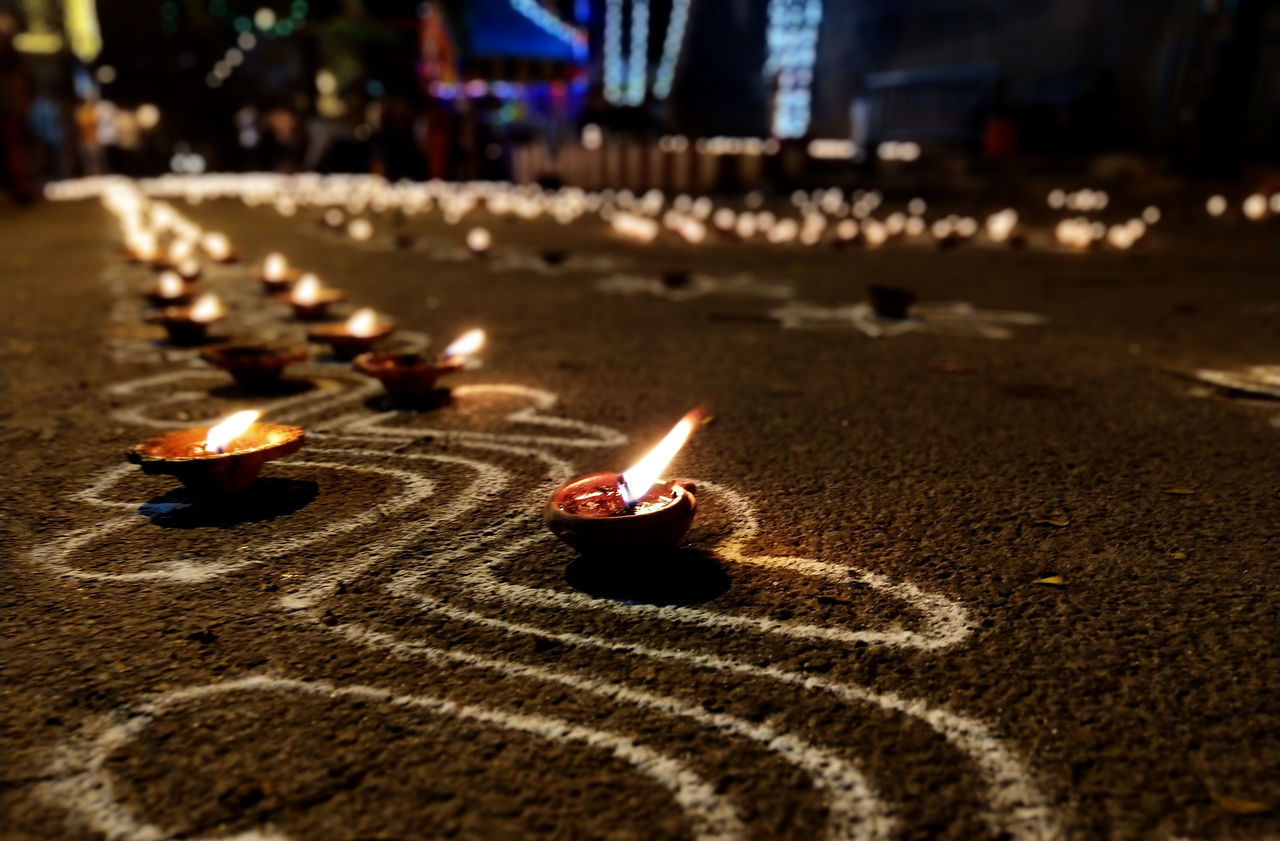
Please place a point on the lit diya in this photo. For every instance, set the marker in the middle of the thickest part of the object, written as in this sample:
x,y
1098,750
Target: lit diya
x,y
255,366
479,241
310,298
354,336
170,290
190,325
188,270
218,248
630,511
218,459
276,274
141,247
412,376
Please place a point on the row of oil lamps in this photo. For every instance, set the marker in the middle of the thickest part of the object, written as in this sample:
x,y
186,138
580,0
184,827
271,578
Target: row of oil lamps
x,y
634,510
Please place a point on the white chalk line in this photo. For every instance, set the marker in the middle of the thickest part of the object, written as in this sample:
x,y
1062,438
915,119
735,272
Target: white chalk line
x,y
88,790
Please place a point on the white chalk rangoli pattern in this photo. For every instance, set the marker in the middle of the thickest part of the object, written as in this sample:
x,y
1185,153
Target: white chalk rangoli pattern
x,y
952,318
461,580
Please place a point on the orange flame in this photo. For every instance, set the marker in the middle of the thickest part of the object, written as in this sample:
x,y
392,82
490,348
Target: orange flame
x,y
207,308
221,435
363,323
275,266
639,479
466,344
308,290
169,285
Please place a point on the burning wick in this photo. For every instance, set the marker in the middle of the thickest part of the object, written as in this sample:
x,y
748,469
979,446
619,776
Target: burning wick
x,y
222,434
207,308
275,266
170,285
465,345
308,290
636,482
630,511
364,323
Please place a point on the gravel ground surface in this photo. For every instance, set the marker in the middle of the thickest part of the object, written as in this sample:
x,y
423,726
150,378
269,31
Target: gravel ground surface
x,y
1008,573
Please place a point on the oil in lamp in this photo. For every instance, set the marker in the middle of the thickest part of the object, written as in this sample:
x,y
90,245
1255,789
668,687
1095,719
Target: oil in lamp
x,y
190,325
276,274
412,376
256,367
218,248
170,290
479,241
628,512
222,458
310,299
354,336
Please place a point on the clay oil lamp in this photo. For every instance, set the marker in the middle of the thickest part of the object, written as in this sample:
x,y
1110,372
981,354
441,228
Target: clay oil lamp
x,y
675,278
355,336
190,325
219,459
479,241
189,270
170,290
218,248
554,256
412,377
140,247
310,299
890,302
256,367
276,274
630,512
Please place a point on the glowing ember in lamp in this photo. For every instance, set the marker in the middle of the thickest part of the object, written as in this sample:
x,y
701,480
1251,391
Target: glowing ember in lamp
x,y
255,367
479,240
310,299
190,325
276,274
413,377
170,290
222,458
632,511
355,336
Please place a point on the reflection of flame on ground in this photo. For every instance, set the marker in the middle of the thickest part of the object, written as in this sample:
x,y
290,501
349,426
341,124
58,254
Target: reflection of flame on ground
x,y
955,318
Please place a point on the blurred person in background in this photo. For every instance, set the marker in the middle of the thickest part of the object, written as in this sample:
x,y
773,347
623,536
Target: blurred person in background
x,y
15,94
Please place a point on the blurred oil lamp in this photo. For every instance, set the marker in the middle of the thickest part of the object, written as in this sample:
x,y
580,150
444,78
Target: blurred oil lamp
x,y
141,247
479,241
873,233
219,459
1151,214
189,270
218,248
190,325
1216,205
412,376
632,511
275,273
846,230
360,230
310,298
1002,226
181,250
355,336
170,290
1255,207
255,367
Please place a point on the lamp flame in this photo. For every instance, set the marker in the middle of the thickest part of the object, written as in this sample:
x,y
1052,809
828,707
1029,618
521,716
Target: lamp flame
x,y
217,246
637,480
169,285
466,344
308,290
275,266
207,308
363,323
222,434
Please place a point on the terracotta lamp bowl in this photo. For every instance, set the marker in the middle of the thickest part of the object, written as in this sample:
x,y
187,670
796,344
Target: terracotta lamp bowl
x,y
183,329
276,285
316,309
181,454
406,376
255,366
188,292
345,344
589,515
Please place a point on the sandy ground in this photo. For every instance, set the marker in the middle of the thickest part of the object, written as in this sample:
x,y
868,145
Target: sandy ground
x,y
383,642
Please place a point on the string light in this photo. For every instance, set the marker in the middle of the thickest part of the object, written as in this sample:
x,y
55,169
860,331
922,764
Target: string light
x,y
671,45
638,66
613,62
792,44
552,25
